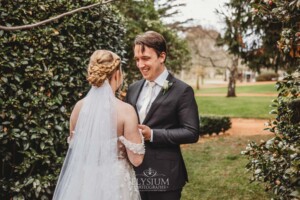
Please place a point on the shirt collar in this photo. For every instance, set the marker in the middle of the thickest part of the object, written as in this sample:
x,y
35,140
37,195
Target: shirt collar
x,y
161,78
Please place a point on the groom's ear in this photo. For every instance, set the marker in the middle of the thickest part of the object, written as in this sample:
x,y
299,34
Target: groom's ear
x,y
162,57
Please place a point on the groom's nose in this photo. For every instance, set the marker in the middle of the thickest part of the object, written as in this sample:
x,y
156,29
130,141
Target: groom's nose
x,y
140,64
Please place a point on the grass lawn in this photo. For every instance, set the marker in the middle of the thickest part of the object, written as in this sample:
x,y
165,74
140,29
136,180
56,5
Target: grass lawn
x,y
217,170
267,88
244,107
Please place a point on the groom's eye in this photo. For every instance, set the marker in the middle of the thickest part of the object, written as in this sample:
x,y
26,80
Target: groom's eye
x,y
145,58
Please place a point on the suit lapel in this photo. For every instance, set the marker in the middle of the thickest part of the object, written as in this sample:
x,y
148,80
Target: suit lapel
x,y
159,99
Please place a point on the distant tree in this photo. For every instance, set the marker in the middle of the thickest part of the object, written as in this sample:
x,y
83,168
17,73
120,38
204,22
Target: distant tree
x,y
279,19
204,53
232,39
253,39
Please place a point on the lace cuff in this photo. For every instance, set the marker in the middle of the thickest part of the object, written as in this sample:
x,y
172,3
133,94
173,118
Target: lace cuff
x,y
135,148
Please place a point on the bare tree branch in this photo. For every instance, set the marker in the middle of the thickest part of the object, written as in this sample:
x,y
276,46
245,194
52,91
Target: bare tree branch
x,y
206,32
178,25
212,61
23,27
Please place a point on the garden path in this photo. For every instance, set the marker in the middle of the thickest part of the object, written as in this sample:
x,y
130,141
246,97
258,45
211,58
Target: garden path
x,y
242,126
240,95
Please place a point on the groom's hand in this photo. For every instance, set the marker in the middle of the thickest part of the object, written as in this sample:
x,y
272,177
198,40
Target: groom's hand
x,y
146,131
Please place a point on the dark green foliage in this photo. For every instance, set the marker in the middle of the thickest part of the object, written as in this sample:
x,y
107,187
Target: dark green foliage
x,y
42,75
210,125
267,77
294,105
277,161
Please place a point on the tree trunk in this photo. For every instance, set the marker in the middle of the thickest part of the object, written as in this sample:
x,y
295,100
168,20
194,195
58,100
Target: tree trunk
x,y
197,82
202,79
232,78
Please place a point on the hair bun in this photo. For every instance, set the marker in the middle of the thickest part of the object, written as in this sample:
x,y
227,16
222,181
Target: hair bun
x,y
101,67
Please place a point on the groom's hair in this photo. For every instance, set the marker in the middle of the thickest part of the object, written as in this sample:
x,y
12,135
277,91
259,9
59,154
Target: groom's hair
x,y
153,40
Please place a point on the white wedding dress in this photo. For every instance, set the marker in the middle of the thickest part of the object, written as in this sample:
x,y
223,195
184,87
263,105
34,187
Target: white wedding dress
x,y
96,166
128,183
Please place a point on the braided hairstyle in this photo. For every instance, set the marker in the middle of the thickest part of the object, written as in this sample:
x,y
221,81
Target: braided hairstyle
x,y
102,65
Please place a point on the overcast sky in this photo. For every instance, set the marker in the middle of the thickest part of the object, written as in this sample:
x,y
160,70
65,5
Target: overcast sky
x,y
203,11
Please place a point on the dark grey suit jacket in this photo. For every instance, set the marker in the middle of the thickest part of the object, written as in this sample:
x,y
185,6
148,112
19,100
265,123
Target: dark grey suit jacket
x,y
173,117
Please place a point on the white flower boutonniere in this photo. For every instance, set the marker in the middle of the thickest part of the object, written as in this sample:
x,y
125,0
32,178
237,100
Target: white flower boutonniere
x,y
167,85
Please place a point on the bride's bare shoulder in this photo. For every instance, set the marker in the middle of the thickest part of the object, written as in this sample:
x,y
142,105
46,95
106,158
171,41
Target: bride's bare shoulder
x,y
79,104
125,107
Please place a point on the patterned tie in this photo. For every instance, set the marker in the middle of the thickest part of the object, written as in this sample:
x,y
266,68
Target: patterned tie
x,y
146,103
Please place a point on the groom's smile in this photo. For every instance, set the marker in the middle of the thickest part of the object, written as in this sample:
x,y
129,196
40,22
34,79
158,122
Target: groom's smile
x,y
149,63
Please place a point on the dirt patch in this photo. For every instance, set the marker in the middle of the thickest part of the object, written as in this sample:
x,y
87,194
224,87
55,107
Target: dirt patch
x,y
238,84
240,95
242,126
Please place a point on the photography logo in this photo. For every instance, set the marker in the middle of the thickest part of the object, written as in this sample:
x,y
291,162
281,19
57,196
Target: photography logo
x,y
151,180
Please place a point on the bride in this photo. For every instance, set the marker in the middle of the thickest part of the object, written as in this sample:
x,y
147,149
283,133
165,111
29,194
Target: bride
x,y
105,141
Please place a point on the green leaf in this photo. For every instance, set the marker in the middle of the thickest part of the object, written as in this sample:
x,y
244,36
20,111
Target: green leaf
x,y
34,136
43,131
295,193
4,79
42,145
29,181
25,146
24,62
12,64
59,128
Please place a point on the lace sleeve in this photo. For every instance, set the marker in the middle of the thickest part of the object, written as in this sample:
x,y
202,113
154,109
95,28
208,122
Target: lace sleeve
x,y
135,148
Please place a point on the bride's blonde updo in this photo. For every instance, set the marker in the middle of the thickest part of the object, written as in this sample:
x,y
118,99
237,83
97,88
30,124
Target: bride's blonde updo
x,y
103,64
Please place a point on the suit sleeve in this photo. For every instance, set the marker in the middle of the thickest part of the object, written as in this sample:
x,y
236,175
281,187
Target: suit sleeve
x,y
188,122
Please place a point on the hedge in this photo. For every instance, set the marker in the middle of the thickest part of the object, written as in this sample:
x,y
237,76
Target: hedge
x,y
276,162
267,77
214,124
43,73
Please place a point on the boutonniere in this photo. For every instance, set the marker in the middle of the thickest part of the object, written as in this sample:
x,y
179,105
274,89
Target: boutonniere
x,y
167,85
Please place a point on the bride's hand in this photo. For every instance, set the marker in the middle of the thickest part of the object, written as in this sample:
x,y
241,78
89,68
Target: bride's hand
x,y
70,137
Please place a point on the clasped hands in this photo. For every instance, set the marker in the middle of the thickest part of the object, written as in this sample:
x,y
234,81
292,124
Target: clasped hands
x,y
145,131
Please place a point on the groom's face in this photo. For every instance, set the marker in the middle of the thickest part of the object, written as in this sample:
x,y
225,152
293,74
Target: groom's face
x,y
149,63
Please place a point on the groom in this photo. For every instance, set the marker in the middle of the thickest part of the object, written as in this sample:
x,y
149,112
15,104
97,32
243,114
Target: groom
x,y
168,117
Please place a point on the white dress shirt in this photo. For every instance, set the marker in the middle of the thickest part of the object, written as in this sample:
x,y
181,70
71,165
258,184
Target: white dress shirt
x,y
156,89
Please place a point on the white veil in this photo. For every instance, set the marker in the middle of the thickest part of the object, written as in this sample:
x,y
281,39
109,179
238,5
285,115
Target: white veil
x,y
90,169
